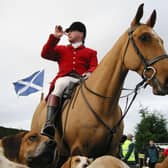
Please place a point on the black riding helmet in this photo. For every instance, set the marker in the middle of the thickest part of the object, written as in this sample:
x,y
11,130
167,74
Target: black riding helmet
x,y
77,26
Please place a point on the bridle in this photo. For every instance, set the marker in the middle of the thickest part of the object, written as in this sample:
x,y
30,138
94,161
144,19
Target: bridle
x,y
147,67
147,64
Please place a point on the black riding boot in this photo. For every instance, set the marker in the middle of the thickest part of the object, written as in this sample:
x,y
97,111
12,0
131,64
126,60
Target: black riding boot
x,y
52,106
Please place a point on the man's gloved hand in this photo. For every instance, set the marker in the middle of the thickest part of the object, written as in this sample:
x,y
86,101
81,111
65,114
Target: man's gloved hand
x,y
58,31
86,75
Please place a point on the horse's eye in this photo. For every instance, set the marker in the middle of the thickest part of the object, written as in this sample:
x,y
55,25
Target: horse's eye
x,y
33,138
145,37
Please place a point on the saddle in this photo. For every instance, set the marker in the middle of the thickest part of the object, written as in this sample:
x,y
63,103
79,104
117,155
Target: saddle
x,y
67,94
69,90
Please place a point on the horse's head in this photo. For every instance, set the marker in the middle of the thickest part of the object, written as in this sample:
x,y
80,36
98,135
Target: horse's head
x,y
145,53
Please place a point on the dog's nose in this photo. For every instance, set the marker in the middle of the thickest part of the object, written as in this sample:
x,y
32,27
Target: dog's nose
x,y
85,165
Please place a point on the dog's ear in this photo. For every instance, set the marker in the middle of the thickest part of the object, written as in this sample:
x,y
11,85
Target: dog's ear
x,y
67,164
11,146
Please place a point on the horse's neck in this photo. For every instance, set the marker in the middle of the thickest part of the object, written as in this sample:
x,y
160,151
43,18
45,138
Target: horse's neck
x,y
108,78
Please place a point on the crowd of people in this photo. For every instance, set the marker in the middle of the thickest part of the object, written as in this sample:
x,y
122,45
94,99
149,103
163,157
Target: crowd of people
x,y
150,157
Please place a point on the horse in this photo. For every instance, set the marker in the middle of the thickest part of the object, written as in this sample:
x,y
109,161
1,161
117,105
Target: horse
x,y
92,120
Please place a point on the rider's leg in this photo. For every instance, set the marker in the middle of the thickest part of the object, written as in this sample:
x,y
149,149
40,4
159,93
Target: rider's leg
x,y
52,105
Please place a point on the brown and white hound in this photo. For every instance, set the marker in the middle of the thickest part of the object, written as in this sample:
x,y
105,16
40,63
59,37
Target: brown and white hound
x,y
28,148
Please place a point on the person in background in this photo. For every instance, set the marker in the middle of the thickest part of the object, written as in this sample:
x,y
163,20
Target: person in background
x,y
128,151
74,61
122,140
152,154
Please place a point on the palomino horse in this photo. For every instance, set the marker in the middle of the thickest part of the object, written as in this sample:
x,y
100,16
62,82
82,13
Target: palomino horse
x,y
90,116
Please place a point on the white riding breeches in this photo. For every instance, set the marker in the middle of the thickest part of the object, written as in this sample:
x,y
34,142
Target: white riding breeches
x,y
62,83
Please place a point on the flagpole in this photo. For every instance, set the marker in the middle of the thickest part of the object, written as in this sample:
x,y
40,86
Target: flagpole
x,y
42,92
42,96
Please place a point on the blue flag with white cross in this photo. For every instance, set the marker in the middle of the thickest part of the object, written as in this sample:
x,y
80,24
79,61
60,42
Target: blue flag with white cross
x,y
30,84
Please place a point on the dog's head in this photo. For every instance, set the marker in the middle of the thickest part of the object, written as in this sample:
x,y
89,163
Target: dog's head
x,y
30,148
77,162
11,146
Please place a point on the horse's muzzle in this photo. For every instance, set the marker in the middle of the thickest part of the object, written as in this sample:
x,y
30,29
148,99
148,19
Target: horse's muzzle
x,y
160,91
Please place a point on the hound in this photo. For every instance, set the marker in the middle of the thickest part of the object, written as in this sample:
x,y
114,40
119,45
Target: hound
x,y
29,148
77,162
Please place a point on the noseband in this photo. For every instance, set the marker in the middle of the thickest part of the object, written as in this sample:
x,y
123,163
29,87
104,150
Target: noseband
x,y
147,64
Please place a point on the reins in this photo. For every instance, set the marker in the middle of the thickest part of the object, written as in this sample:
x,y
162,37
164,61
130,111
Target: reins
x,y
147,66
107,97
111,130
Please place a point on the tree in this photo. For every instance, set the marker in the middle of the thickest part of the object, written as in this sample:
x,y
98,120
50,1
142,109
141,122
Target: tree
x,y
152,126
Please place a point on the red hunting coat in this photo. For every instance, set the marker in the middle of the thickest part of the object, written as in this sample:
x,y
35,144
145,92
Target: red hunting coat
x,y
69,59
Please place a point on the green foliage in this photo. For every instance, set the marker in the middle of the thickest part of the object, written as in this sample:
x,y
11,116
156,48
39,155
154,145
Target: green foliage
x,y
152,126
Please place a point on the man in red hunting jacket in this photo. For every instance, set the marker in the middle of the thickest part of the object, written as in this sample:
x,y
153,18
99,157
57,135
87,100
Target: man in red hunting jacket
x,y
72,59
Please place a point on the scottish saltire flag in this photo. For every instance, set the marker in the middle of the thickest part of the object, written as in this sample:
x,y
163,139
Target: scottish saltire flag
x,y
29,85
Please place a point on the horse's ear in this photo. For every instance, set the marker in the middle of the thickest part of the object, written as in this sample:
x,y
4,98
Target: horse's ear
x,y
138,16
152,20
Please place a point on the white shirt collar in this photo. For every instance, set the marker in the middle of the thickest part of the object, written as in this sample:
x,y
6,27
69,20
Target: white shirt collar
x,y
76,45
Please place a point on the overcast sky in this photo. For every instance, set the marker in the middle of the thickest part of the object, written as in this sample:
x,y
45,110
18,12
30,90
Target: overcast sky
x,y
25,26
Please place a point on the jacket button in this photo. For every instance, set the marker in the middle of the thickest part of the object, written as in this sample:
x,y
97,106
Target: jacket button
x,y
74,62
74,52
